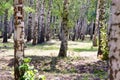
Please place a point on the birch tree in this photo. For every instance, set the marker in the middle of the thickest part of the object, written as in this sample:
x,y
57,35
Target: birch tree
x,y
114,41
18,37
64,30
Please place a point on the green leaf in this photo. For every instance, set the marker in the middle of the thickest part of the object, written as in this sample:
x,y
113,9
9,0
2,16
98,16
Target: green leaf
x,y
29,9
27,60
42,77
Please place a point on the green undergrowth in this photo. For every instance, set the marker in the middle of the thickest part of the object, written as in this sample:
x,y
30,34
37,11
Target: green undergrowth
x,y
30,73
88,49
8,45
76,46
100,74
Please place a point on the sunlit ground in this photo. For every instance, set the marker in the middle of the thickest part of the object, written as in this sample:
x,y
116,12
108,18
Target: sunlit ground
x,y
81,63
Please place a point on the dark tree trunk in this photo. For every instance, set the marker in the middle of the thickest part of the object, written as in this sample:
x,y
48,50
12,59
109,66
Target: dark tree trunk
x,y
74,34
5,27
48,30
1,26
10,28
90,30
35,31
29,34
41,36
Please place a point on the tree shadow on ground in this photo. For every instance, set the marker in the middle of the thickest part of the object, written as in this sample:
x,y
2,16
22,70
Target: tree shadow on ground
x,y
42,44
99,69
96,70
45,63
41,63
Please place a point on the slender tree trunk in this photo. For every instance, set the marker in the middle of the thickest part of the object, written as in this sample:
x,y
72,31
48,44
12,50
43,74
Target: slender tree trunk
x,y
18,37
74,34
29,35
90,29
1,26
41,36
0,23
96,25
35,32
10,27
114,41
5,26
83,28
78,28
48,30
64,28
101,27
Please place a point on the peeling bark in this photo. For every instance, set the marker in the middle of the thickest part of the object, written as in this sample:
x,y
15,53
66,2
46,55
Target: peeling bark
x,y
18,37
114,41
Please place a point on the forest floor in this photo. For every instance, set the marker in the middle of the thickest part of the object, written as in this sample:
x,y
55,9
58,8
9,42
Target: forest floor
x,y
81,63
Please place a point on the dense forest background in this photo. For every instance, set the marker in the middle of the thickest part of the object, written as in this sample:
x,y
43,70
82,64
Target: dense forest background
x,y
53,34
